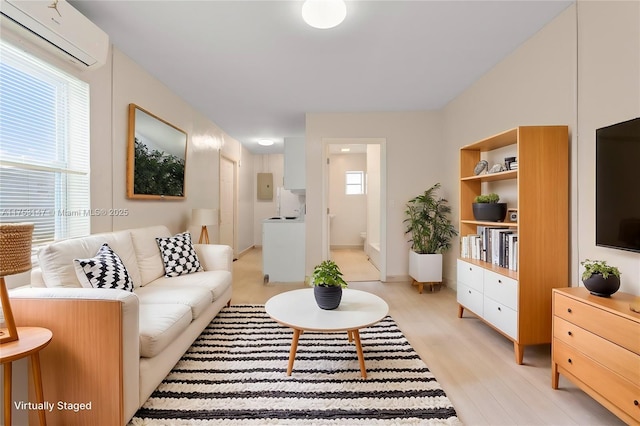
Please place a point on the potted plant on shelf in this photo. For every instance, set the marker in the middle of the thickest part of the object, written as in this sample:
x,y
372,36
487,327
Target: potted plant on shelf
x,y
431,233
599,278
487,208
327,282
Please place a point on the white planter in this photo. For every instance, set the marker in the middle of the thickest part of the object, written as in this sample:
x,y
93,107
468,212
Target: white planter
x,y
425,268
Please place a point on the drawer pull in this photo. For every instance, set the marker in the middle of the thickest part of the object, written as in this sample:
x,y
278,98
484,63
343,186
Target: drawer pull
x,y
635,402
469,291
569,310
499,308
499,281
569,333
569,361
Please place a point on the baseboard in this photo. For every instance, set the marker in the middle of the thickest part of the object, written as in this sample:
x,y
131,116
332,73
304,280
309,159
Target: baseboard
x,y
245,251
348,247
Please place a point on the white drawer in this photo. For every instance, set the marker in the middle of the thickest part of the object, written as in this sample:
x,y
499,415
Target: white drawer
x,y
470,298
501,317
470,275
503,290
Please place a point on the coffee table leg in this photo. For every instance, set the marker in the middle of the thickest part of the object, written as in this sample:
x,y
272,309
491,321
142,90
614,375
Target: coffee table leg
x,y
294,348
37,381
356,336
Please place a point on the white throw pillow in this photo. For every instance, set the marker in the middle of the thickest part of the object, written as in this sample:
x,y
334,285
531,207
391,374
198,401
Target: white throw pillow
x,y
178,255
105,270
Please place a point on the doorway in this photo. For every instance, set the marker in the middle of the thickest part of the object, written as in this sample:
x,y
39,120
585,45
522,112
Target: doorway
x,y
354,187
228,180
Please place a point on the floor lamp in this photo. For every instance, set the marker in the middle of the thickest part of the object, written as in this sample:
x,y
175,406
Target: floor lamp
x,y
15,257
202,218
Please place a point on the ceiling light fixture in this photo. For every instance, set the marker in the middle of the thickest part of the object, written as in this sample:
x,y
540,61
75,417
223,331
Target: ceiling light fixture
x,y
345,149
324,14
265,142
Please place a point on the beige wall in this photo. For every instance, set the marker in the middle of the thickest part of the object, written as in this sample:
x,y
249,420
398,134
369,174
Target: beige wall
x,y
608,93
536,84
264,209
414,141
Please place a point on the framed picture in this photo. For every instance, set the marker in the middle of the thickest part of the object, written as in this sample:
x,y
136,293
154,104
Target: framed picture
x,y
156,157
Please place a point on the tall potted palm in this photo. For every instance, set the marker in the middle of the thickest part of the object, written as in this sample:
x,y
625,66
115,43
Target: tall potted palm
x,y
427,221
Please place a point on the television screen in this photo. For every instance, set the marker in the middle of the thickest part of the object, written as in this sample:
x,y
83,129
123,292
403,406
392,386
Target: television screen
x,y
618,186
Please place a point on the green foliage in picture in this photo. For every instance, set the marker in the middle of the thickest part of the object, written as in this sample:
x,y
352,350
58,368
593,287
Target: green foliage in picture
x,y
157,173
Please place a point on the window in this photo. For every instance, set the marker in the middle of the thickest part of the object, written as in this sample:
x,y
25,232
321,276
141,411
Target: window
x,y
354,183
44,147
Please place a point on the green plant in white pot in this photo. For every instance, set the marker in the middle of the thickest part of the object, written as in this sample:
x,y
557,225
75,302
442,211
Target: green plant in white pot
x,y
428,223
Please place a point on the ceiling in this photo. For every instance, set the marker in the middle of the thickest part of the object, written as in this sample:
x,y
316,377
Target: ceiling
x,y
255,68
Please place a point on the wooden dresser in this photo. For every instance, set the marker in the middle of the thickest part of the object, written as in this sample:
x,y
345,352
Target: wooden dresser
x,y
596,345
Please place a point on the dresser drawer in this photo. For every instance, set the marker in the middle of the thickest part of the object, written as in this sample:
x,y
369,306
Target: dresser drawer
x,y
502,289
620,392
470,298
614,357
470,275
502,317
605,324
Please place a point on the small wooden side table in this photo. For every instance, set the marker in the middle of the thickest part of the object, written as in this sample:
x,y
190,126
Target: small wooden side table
x,y
31,341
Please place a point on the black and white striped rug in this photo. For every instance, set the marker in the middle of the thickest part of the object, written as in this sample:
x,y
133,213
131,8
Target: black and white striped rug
x,y
235,374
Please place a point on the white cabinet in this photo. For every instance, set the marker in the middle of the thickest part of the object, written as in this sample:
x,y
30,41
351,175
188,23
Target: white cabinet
x,y
283,250
489,295
294,164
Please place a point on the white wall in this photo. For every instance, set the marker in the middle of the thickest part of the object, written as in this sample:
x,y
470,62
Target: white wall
x,y
609,92
264,209
414,141
350,211
374,176
246,197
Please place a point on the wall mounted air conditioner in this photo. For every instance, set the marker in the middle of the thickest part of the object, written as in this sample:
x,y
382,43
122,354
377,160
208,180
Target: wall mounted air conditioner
x,y
59,27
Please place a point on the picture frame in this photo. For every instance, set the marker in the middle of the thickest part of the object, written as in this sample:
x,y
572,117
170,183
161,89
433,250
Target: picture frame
x,y
156,157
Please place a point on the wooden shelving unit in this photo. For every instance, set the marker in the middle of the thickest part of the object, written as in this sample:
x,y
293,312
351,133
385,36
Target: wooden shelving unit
x,y
519,306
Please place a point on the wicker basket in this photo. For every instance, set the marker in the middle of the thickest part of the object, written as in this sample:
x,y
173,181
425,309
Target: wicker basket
x,y
15,248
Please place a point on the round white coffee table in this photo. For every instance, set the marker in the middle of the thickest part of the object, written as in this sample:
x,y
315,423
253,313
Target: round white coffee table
x,y
298,309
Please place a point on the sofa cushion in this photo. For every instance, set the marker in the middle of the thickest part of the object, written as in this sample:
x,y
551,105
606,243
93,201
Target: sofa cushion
x,y
178,255
217,282
198,299
104,270
56,259
160,325
147,253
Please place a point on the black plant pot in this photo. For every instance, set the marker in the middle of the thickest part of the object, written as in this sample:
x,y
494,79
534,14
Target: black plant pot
x,y
599,286
327,297
490,212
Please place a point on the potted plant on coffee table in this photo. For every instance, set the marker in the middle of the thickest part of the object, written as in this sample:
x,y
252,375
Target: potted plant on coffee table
x,y
599,278
487,208
431,232
327,282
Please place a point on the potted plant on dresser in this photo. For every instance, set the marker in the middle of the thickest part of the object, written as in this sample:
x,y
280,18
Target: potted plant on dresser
x,y
431,232
327,283
599,278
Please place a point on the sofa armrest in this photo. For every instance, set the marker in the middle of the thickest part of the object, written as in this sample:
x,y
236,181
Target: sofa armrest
x,y
215,257
94,355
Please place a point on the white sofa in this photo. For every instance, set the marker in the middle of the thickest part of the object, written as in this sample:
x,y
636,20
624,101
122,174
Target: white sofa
x,y
113,347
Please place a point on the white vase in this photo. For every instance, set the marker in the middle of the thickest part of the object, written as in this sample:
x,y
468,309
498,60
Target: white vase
x,y
425,268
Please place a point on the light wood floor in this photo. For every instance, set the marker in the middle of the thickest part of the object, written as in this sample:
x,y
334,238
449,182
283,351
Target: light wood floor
x,y
354,265
474,364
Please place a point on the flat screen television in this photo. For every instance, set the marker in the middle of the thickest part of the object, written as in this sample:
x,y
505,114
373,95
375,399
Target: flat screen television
x,y
618,186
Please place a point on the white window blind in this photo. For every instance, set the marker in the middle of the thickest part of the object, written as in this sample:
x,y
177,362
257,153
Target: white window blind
x,y
44,147
354,183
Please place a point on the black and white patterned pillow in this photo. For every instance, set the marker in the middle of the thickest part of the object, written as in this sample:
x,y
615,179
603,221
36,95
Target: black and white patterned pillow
x,y
105,270
178,255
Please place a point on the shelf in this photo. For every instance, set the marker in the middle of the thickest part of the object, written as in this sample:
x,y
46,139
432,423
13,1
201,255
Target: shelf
x,y
486,223
491,267
491,177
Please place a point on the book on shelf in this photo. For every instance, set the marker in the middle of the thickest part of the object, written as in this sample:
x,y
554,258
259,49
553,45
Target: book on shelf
x,y
495,245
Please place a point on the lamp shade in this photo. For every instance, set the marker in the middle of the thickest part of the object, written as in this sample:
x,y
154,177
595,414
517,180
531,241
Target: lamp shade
x,y
204,217
15,248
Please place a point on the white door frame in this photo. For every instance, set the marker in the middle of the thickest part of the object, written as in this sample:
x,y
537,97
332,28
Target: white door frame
x,y
383,195
234,202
